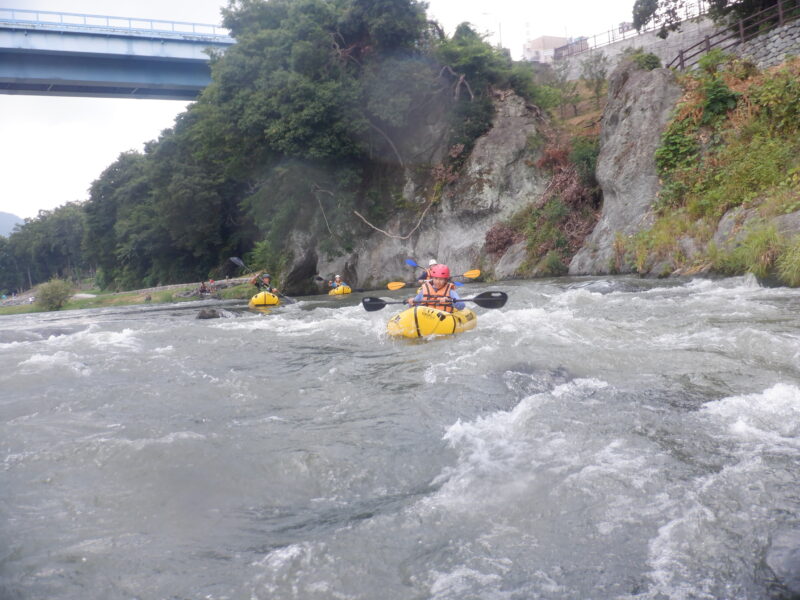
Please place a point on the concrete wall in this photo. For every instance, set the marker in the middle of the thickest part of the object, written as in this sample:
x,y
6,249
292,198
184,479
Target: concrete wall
x,y
691,32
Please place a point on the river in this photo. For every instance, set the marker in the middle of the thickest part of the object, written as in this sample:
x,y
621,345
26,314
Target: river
x,y
596,438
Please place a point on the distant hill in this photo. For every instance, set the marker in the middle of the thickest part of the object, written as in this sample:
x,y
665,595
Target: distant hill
x,y
7,222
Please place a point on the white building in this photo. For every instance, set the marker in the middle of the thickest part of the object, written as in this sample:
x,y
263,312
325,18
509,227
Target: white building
x,y
541,49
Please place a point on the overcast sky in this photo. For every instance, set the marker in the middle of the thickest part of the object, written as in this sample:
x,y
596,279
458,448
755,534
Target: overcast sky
x,y
52,148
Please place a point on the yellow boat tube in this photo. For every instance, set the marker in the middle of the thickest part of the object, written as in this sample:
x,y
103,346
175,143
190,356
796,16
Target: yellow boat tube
x,y
421,321
342,289
264,299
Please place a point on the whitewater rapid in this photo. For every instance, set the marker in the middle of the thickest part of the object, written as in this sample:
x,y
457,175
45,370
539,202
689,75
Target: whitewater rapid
x,y
595,438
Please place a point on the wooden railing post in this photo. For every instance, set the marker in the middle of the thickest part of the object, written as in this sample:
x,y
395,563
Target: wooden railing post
x,y
741,30
708,44
680,59
780,13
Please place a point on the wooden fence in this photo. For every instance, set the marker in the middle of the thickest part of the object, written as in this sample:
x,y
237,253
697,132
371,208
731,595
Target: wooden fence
x,y
743,30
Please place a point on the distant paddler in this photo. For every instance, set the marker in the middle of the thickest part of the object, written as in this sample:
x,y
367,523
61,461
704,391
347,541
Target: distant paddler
x,y
425,275
267,295
338,286
264,283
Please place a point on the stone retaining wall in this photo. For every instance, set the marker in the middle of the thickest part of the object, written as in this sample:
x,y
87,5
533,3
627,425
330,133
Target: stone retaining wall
x,y
772,48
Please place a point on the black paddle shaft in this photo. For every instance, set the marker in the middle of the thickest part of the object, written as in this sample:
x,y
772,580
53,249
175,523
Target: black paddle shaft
x,y
484,300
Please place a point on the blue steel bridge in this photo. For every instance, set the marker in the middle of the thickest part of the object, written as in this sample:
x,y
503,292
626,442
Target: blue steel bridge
x,y
70,54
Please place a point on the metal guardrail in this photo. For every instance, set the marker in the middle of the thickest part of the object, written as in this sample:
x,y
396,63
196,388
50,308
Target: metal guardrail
x,y
624,31
43,19
739,32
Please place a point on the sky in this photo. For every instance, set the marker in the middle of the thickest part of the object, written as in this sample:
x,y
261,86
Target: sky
x,y
53,148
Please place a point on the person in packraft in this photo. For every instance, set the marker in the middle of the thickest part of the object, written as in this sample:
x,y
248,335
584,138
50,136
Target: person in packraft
x,y
438,292
264,283
337,282
426,272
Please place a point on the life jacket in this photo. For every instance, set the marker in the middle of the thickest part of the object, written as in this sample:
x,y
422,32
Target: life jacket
x,y
433,298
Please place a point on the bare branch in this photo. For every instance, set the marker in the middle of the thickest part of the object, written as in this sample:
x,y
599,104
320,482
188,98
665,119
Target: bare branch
x,y
391,235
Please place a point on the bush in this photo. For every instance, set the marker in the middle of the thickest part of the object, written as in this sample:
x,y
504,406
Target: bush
x,y
53,294
759,251
585,151
789,264
646,60
499,238
712,61
719,99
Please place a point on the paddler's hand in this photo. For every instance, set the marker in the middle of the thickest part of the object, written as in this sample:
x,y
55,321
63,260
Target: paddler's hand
x,y
410,302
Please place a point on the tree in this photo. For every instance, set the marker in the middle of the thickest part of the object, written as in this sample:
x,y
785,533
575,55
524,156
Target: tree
x,y
53,294
568,89
668,14
594,71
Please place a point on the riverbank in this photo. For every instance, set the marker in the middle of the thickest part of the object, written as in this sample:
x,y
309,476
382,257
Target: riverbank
x,y
229,289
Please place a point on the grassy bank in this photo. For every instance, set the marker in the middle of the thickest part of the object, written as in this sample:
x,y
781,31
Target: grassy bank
x,y
104,299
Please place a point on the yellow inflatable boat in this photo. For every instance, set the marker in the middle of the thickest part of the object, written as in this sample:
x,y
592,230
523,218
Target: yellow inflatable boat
x,y
421,321
342,289
264,299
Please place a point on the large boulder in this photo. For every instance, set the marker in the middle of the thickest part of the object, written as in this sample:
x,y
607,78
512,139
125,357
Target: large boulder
x,y
639,106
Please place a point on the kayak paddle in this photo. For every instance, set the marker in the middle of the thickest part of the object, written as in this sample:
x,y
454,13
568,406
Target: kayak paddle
x,y
396,285
239,262
485,300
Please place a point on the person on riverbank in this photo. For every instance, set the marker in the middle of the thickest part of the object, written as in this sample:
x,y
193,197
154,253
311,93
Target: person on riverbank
x,y
425,276
337,282
438,292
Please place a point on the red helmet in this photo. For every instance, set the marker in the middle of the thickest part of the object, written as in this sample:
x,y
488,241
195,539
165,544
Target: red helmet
x,y
439,271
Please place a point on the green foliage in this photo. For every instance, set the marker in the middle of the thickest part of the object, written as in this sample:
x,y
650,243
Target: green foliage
x,y
552,264
647,61
567,89
312,114
594,71
678,148
644,60
544,228
53,294
788,263
521,80
584,153
711,61
668,14
719,99
757,254
779,99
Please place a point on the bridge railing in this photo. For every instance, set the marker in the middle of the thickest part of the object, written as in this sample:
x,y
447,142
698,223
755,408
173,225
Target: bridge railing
x,y
43,19
690,10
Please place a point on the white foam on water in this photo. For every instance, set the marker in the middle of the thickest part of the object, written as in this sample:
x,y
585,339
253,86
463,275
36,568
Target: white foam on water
x,y
463,581
96,338
61,359
143,443
336,322
499,454
729,512
766,421
280,567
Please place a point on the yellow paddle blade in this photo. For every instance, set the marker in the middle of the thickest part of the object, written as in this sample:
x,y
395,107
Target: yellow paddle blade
x,y
472,274
395,285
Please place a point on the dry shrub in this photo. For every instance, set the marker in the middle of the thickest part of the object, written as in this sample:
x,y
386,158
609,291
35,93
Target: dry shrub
x,y
500,238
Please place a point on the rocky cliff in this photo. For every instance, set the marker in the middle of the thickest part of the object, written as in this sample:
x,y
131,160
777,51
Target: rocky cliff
x,y
500,177
496,180
639,106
